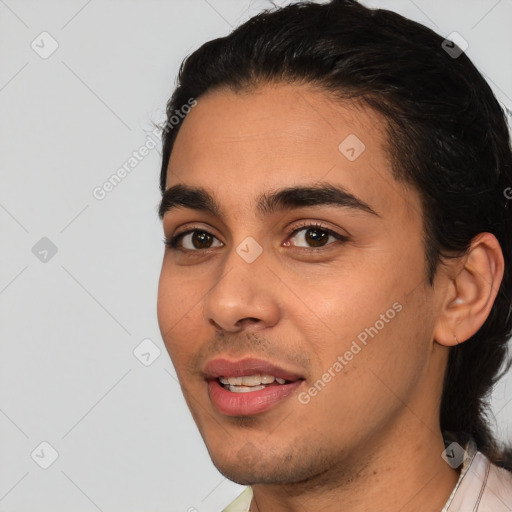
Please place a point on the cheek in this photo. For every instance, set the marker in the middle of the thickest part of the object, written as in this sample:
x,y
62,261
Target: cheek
x,y
177,311
377,360
343,306
357,388
366,319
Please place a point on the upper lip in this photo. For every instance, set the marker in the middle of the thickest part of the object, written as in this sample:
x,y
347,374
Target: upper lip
x,y
221,367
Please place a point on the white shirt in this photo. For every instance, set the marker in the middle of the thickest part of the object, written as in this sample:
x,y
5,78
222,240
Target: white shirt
x,y
482,487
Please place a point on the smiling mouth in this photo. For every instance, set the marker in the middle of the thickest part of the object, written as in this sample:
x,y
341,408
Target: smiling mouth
x,y
250,383
249,386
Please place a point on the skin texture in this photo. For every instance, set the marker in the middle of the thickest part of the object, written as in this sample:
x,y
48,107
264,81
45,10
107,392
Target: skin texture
x,y
370,439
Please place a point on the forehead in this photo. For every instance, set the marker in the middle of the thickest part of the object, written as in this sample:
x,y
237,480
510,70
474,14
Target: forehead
x,y
239,145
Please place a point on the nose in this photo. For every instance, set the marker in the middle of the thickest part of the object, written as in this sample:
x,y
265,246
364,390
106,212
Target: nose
x,y
244,297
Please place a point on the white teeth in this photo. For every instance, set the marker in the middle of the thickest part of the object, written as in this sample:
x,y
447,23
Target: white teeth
x,y
244,389
250,380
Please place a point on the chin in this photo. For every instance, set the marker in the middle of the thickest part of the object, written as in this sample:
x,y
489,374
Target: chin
x,y
245,475
250,470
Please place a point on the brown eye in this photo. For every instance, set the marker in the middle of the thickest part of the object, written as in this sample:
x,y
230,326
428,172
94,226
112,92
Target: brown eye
x,y
193,240
315,236
201,239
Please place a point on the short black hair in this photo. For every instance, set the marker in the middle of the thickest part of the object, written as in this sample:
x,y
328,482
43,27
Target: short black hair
x,y
447,137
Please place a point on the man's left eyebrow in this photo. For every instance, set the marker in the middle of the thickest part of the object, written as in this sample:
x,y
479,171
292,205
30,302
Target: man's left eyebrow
x,y
325,194
198,198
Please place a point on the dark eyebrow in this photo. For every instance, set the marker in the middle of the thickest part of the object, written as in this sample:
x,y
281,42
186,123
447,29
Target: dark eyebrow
x,y
198,198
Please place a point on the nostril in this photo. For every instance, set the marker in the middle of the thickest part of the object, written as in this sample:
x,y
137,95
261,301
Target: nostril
x,y
215,324
248,320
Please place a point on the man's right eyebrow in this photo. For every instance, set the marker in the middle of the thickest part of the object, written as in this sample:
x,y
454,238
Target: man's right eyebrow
x,y
185,196
323,194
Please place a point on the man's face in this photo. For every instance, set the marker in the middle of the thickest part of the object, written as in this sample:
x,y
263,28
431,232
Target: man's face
x,y
343,310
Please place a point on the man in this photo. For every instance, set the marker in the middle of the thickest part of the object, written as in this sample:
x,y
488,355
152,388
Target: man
x,y
335,290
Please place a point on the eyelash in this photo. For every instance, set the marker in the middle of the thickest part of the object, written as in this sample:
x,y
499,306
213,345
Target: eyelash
x,y
173,243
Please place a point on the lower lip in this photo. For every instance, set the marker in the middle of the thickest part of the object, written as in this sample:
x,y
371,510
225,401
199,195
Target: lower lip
x,y
251,403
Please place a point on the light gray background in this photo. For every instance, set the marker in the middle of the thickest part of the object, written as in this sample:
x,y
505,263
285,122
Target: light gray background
x,y
69,325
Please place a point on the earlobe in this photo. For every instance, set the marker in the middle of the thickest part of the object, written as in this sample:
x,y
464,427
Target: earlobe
x,y
471,292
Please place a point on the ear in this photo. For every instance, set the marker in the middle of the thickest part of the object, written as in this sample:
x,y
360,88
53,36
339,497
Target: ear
x,y
472,288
